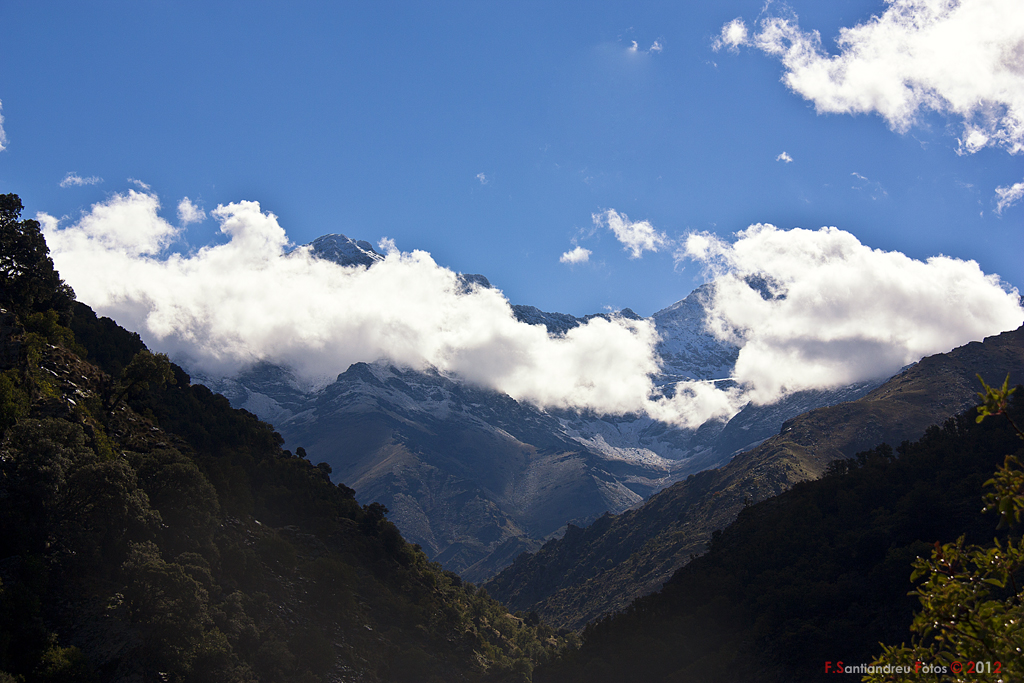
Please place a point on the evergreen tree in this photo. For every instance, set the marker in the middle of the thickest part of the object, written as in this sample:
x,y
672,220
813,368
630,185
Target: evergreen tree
x,y
28,281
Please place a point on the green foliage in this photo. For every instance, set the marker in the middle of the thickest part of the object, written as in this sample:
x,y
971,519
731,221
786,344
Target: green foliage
x,y
108,345
14,402
972,602
62,665
144,369
48,326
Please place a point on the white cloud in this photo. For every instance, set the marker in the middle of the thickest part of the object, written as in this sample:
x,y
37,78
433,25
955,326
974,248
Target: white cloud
x,y
75,180
963,59
656,46
482,178
188,212
577,255
733,35
633,47
784,157
252,298
833,311
1008,196
636,237
3,135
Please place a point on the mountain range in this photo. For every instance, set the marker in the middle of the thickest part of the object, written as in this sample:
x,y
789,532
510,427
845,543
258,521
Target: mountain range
x,y
475,477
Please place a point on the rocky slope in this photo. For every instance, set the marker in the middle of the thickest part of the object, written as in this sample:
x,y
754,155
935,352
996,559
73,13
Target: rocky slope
x,y
602,568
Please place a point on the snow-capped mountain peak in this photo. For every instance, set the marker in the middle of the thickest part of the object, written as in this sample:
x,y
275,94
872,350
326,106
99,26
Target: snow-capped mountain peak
x,y
344,250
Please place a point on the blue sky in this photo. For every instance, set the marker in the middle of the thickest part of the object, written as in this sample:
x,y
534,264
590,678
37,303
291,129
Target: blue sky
x,y
487,134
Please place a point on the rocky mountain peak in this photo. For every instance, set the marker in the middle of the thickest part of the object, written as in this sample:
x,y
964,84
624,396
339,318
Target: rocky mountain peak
x,y
344,250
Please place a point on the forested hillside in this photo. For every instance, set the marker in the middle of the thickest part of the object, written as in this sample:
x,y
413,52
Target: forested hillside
x,y
820,573
152,533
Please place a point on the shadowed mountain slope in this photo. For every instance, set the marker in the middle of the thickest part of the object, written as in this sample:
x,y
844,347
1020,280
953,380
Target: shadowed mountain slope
x,y
602,568
820,573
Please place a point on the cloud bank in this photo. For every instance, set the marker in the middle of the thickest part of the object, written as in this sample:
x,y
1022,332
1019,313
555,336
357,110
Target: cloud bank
x,y
254,298
809,309
964,59
813,309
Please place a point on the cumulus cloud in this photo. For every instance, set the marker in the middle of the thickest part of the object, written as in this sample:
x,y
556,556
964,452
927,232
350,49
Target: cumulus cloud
x,y
733,35
254,298
577,255
74,180
784,157
635,237
1008,196
482,178
3,135
656,46
188,212
813,309
963,59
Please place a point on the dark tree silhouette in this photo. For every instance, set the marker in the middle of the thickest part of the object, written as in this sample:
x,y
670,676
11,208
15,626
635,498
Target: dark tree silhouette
x,y
28,281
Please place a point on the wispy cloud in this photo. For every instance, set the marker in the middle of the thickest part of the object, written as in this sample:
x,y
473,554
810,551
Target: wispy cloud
x,y
784,157
655,48
482,178
636,237
962,59
1008,196
577,255
188,212
3,135
873,187
813,309
75,180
